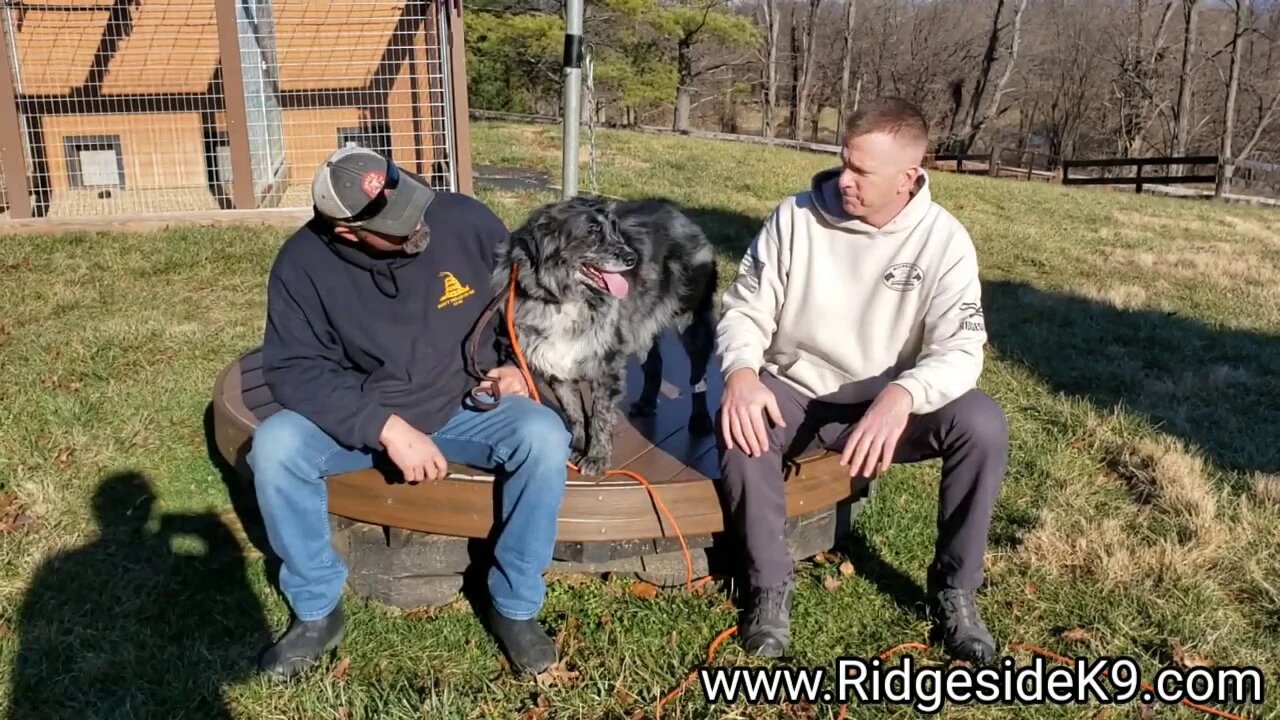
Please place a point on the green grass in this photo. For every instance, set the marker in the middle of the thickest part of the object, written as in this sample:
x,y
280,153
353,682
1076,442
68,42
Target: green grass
x,y
1135,345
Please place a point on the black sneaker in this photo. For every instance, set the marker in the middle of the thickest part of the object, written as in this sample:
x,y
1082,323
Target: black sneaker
x,y
964,635
303,644
767,629
524,642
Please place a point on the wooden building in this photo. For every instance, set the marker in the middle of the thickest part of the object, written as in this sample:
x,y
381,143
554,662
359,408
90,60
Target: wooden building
x,y
125,106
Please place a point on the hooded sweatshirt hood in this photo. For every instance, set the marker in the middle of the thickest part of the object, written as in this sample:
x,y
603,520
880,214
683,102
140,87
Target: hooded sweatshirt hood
x,y
381,266
825,191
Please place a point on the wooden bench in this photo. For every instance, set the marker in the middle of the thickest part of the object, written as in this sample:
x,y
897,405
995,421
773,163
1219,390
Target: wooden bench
x,y
407,545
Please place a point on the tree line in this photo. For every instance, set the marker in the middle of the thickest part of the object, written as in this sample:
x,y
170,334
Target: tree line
x,y
1065,78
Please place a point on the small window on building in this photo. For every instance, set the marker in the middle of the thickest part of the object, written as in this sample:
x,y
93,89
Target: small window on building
x,y
94,161
374,136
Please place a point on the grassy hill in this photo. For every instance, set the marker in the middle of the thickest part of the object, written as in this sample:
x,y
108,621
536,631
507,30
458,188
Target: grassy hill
x,y
1135,345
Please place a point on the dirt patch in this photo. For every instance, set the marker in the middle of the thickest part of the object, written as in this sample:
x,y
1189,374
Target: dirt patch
x,y
1215,262
1123,296
1162,475
1266,489
1168,485
1214,379
1254,230
1163,227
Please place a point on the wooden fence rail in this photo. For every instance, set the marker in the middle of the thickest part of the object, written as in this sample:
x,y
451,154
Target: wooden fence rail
x,y
1137,179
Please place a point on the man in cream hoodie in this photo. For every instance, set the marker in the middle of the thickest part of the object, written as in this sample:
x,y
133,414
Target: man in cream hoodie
x,y
856,322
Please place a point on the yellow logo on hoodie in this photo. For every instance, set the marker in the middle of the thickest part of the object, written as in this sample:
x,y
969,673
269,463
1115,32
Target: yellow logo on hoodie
x,y
454,292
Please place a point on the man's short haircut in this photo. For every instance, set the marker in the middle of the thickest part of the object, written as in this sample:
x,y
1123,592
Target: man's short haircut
x,y
891,115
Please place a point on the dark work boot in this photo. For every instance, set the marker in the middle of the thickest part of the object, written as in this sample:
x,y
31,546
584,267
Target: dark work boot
x,y
525,643
767,629
964,635
303,644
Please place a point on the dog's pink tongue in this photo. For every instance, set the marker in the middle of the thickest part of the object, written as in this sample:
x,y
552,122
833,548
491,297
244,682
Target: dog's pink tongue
x,y
616,284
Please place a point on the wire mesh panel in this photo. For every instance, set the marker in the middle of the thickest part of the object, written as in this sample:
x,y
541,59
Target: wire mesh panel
x,y
130,107
114,103
365,73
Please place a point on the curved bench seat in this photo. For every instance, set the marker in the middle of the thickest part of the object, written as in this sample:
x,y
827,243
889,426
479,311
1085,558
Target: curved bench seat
x,y
681,468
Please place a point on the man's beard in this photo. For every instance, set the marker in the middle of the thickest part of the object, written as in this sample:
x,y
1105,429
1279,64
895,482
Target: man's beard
x,y
417,243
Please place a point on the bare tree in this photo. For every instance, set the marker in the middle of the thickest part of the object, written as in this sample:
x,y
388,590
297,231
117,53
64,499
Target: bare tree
x,y
1063,74
978,114
1266,108
802,42
1229,110
851,9
1137,84
770,27
1182,115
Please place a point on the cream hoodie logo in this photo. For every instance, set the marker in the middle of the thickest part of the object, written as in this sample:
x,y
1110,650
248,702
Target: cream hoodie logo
x,y
903,277
973,320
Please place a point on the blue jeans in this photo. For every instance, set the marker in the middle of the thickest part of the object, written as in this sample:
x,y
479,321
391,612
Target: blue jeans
x,y
290,457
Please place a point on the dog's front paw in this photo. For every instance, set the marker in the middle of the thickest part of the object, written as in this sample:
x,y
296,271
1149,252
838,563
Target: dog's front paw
x,y
592,464
577,442
640,408
700,424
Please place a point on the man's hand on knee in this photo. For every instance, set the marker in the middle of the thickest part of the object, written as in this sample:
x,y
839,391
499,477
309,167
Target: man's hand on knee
x,y
508,379
870,447
412,451
746,400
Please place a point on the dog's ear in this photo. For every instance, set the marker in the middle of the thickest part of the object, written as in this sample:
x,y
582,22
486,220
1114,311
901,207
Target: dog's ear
x,y
531,243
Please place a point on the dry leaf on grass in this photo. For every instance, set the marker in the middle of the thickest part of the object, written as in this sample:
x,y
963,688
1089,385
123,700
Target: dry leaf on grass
x,y
558,675
12,518
821,559
799,711
673,639
340,670
1185,659
63,458
704,585
539,709
1076,635
846,568
343,712
832,583
1146,712
1032,590
644,590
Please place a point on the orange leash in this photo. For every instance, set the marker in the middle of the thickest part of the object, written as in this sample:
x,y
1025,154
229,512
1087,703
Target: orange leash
x,y
688,559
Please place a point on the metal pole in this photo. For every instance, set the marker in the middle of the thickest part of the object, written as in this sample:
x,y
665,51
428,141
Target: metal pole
x,y
572,96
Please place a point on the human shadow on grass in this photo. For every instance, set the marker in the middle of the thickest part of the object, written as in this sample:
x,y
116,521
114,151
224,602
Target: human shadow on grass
x,y
153,617
1212,387
244,500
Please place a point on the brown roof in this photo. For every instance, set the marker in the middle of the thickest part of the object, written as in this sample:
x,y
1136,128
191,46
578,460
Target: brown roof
x,y
171,46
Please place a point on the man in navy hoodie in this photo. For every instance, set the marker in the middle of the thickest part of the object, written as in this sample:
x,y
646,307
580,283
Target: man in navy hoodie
x,y
370,307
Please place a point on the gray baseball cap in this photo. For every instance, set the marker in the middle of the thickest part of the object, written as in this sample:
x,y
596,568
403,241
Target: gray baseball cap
x,y
357,187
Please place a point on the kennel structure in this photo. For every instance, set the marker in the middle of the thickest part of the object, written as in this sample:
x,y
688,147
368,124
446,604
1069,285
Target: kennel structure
x,y
118,107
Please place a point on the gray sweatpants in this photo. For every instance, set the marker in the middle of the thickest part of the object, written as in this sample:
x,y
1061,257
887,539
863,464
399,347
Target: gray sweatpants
x,y
970,434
